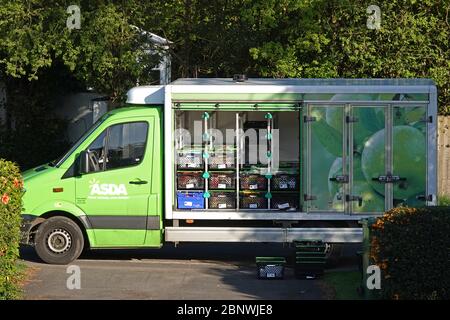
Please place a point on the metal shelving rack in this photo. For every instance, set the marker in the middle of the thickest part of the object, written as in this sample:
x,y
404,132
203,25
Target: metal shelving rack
x,y
209,121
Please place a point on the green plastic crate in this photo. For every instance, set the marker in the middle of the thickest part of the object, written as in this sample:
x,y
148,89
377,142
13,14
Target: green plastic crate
x,y
270,267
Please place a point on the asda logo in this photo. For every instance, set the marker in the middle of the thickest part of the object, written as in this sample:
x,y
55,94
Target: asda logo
x,y
107,189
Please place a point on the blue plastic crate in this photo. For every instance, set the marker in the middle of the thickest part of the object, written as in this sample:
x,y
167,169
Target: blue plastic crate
x,y
190,200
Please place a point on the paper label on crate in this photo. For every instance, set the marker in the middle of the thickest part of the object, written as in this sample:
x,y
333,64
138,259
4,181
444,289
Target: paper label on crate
x,y
192,165
283,186
187,203
189,186
222,205
271,275
253,186
222,186
253,206
221,166
283,206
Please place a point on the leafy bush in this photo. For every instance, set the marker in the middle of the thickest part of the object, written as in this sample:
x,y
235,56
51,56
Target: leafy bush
x,y
11,192
412,248
444,200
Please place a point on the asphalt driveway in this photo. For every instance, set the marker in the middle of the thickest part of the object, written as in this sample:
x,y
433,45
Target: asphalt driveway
x,y
191,271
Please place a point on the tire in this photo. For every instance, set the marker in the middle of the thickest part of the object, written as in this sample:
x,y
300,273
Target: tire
x,y
59,240
333,253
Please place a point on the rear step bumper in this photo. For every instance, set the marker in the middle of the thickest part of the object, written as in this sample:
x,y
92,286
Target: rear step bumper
x,y
229,234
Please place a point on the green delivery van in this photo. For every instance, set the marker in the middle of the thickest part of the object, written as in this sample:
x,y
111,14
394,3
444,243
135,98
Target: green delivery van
x,y
237,160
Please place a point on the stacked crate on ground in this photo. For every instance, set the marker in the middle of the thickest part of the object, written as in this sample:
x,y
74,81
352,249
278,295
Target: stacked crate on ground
x,y
190,180
270,267
310,258
222,159
221,180
222,200
190,200
252,200
284,201
285,182
189,158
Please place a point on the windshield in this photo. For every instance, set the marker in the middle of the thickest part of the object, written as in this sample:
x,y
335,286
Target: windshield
x,y
63,158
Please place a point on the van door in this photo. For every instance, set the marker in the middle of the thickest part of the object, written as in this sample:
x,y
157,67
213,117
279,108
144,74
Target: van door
x,y
369,159
346,153
409,150
115,192
326,158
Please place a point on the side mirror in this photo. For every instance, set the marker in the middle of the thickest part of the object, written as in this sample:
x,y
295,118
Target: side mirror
x,y
83,163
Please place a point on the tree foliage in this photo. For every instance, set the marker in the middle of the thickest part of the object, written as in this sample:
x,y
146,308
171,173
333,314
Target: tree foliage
x,y
270,38
331,39
107,53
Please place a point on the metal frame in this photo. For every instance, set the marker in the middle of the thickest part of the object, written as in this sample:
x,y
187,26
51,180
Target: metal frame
x,y
432,147
243,234
264,214
235,89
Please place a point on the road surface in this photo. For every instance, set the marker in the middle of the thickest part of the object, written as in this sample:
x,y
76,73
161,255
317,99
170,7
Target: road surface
x,y
191,271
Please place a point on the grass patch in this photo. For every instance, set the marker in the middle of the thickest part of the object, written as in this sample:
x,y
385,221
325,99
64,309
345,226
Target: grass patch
x,y
443,200
343,284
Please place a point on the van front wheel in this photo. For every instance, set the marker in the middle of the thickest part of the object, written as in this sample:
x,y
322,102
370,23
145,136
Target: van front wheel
x,y
59,240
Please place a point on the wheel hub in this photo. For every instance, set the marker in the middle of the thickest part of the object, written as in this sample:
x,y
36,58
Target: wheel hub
x,y
59,241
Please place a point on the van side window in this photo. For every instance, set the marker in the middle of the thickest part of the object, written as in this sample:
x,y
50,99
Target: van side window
x,y
96,153
123,144
126,144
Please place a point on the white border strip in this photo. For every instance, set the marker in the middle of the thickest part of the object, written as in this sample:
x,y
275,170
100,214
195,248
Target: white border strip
x,y
298,89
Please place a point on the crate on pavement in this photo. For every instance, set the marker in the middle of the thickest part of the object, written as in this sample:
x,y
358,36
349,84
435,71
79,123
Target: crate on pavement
x,y
310,258
270,267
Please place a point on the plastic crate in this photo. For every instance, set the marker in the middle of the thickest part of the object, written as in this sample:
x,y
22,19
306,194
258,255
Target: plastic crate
x,y
222,181
310,258
252,182
190,180
190,200
189,159
222,200
253,201
283,201
285,182
222,160
270,267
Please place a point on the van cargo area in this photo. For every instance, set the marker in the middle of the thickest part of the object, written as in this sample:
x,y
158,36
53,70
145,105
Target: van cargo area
x,y
237,174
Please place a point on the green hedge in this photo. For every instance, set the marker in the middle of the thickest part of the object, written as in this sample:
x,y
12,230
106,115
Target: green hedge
x,y
412,248
11,192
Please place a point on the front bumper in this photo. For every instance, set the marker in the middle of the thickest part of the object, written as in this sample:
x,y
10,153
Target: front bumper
x,y
28,222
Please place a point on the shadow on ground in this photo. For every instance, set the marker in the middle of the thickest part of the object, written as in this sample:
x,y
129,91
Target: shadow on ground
x,y
190,271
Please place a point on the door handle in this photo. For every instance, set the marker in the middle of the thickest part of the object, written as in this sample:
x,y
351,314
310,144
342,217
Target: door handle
x,y
388,179
350,198
138,181
340,179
